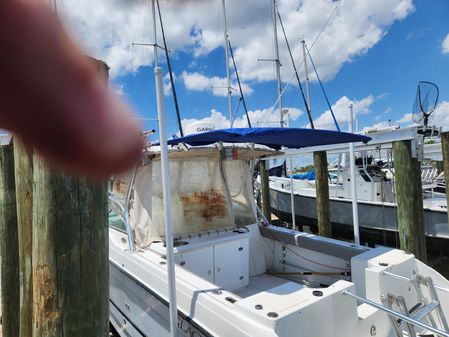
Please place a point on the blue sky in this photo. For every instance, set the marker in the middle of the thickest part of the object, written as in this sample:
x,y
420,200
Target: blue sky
x,y
394,44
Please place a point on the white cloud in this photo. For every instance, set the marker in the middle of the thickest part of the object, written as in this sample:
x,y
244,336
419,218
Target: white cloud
x,y
382,96
119,89
216,85
388,110
167,84
107,30
342,112
417,34
379,125
445,45
406,119
440,117
257,118
270,117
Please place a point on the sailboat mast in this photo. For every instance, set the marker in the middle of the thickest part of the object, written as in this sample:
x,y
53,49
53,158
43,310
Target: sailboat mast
x,y
307,78
228,74
278,63
153,10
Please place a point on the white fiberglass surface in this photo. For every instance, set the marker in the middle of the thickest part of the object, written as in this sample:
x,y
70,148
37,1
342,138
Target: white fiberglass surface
x,y
261,283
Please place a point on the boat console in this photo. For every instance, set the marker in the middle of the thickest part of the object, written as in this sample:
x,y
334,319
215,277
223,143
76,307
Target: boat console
x,y
221,257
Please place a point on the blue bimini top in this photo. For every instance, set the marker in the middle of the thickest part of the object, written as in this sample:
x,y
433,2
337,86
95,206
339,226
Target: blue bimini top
x,y
275,138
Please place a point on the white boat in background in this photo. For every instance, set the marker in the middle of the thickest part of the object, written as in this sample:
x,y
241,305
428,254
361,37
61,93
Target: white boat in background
x,y
375,189
237,275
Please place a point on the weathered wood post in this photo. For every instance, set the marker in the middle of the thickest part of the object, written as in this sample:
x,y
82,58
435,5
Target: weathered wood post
x,y
322,194
70,255
23,162
445,150
265,190
410,211
9,244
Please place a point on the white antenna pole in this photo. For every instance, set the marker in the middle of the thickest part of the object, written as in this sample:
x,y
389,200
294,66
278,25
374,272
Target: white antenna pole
x,y
355,207
307,74
278,63
166,187
167,203
228,74
153,10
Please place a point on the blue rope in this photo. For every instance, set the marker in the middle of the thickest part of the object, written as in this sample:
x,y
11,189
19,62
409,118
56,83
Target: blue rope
x,y
324,92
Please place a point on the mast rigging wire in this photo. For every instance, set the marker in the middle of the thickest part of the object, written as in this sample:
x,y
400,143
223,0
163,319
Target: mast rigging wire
x,y
303,59
242,98
172,82
296,73
322,89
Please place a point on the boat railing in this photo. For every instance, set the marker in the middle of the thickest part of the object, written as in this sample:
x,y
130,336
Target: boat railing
x,y
393,314
125,216
400,277
260,213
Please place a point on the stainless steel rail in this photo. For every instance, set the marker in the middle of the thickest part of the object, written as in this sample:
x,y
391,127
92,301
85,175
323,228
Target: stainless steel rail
x,y
116,200
410,280
396,314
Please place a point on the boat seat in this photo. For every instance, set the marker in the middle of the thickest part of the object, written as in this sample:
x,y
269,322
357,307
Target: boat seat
x,y
312,242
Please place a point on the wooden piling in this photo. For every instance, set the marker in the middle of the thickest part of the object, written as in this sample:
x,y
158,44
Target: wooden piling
x,y
23,162
9,244
410,211
439,166
322,194
265,190
70,255
445,150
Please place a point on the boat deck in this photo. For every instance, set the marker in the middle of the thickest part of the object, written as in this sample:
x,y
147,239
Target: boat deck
x,y
261,283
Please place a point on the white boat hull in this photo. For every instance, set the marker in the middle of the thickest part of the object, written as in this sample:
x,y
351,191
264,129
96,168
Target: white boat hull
x,y
153,319
372,215
138,290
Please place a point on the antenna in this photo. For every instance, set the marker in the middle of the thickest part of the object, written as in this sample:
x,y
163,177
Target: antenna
x,y
170,72
228,74
278,63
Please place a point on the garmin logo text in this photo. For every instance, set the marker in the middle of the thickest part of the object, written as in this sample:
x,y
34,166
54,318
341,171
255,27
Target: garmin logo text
x,y
203,129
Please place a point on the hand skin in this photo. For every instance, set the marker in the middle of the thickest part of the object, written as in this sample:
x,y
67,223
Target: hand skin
x,y
52,97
